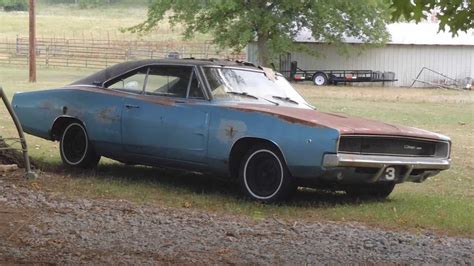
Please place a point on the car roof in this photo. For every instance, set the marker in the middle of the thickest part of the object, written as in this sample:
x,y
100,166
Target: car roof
x,y
118,69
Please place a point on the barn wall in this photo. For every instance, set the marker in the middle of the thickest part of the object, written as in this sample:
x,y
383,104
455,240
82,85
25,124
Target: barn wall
x,y
405,60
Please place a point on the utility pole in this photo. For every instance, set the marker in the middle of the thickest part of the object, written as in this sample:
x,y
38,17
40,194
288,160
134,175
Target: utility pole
x,y
32,42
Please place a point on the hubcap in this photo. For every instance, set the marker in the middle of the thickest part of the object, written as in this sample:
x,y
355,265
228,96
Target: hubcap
x,y
319,80
263,174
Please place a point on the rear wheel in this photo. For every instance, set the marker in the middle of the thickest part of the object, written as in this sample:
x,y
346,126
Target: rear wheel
x,y
75,147
374,191
264,175
320,79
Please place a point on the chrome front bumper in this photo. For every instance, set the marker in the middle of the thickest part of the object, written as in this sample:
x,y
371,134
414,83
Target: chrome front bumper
x,y
376,161
431,165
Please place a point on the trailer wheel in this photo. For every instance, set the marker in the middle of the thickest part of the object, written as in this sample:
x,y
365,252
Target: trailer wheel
x,y
320,79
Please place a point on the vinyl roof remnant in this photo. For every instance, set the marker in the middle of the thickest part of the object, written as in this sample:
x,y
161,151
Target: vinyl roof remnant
x,y
115,70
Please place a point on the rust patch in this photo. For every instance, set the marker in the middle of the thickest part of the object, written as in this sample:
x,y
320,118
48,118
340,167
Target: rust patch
x,y
230,129
230,132
345,125
107,115
46,105
286,114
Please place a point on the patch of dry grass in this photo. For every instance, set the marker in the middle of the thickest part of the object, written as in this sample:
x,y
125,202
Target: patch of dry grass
x,y
98,23
387,94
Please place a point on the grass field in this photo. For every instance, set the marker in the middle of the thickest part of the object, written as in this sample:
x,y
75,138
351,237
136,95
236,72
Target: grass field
x,y
444,203
97,23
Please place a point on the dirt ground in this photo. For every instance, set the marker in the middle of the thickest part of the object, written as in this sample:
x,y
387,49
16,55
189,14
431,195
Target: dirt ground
x,y
38,225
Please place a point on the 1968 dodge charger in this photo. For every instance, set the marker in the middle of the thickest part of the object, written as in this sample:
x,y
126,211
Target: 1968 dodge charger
x,y
230,119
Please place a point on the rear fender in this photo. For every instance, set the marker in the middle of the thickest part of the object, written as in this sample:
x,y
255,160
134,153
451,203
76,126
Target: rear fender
x,y
60,123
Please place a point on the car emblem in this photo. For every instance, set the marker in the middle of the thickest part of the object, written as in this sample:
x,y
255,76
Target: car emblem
x,y
409,147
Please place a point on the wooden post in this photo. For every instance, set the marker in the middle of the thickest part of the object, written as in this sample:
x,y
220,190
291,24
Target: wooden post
x,y
32,44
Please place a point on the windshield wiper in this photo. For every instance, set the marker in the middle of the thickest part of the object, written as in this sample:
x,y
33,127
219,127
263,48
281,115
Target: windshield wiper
x,y
245,94
286,99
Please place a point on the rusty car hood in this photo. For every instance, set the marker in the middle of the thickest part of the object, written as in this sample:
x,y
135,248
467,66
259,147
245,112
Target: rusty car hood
x,y
344,124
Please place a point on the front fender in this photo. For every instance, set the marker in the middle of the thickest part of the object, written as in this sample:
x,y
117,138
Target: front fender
x,y
303,146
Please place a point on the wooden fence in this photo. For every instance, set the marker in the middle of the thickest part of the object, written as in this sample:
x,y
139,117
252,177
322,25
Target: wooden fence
x,y
91,53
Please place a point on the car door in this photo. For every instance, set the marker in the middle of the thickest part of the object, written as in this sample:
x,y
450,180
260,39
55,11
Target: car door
x,y
185,124
133,114
162,121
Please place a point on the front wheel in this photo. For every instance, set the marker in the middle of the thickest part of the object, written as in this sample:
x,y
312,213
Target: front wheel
x,y
75,147
264,175
371,191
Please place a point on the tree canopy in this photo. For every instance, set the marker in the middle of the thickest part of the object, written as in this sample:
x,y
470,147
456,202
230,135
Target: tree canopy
x,y
458,15
273,24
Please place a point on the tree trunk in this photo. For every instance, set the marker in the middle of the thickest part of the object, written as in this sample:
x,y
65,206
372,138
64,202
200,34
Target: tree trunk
x,y
263,52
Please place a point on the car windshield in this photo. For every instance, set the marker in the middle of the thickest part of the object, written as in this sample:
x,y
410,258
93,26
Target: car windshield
x,y
228,82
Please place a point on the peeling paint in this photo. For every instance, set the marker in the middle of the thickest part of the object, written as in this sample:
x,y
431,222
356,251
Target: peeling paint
x,y
287,114
344,124
46,105
108,115
146,98
229,130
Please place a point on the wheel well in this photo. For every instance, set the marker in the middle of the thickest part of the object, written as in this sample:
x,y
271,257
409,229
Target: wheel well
x,y
319,72
59,125
240,148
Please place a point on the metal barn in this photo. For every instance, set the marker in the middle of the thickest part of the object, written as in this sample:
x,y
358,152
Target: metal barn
x,y
412,47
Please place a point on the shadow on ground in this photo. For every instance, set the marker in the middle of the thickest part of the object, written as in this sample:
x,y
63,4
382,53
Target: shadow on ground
x,y
196,183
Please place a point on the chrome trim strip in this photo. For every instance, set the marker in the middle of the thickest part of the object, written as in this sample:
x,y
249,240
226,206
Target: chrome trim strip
x,y
357,160
396,136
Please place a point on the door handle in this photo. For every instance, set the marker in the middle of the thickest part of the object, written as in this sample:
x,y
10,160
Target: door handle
x,y
132,106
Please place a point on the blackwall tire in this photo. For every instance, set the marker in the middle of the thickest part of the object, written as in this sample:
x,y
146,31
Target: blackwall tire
x,y
264,175
75,148
320,79
371,191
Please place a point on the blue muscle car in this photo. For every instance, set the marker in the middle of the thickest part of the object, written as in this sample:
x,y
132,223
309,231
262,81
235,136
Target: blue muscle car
x,y
231,119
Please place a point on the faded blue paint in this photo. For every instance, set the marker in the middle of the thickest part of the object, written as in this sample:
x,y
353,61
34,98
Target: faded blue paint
x,y
158,129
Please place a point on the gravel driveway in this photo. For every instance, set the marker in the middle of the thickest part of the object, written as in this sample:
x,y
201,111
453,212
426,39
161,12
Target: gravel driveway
x,y
39,227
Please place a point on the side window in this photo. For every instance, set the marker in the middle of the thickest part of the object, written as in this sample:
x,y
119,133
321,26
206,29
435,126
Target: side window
x,y
131,82
195,89
169,81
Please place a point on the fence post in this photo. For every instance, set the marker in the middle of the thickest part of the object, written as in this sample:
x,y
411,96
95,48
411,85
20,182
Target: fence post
x,y
17,48
29,173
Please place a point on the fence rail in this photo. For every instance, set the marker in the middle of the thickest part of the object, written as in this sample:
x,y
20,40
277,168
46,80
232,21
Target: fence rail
x,y
92,53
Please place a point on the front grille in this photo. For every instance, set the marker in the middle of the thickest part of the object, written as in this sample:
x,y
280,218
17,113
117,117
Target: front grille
x,y
393,146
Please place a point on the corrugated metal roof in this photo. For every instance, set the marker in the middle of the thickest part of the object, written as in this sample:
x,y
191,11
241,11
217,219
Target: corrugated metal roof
x,y
410,33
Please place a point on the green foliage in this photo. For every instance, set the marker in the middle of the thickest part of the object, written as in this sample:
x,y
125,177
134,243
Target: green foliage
x,y
91,3
457,15
272,24
96,3
14,5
